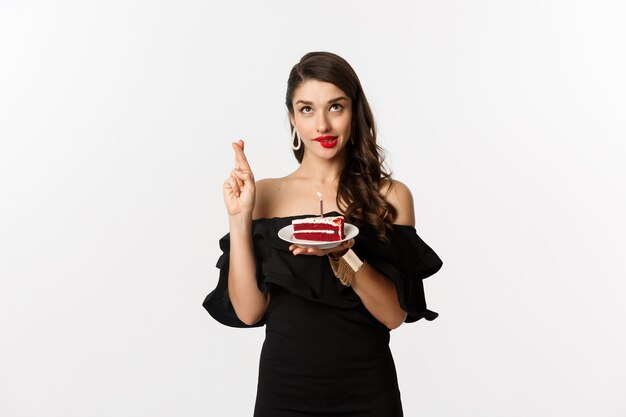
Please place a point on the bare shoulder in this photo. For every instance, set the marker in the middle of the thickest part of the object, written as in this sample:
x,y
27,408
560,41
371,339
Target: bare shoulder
x,y
400,197
267,191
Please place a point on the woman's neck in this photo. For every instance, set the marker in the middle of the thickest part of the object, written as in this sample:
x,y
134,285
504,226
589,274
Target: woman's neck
x,y
319,170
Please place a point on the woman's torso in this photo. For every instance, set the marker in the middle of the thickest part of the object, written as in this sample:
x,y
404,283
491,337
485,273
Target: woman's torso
x,y
322,360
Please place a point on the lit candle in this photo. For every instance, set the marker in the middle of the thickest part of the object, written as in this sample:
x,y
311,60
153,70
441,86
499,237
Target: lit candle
x,y
321,205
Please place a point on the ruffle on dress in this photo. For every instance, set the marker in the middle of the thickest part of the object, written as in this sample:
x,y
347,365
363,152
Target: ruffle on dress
x,y
404,258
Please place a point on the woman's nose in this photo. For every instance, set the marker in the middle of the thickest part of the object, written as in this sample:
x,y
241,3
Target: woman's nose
x,y
323,125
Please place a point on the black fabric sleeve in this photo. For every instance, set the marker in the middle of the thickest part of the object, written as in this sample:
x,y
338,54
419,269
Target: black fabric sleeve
x,y
406,260
217,303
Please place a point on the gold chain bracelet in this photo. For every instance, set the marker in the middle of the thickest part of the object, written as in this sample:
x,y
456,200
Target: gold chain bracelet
x,y
345,266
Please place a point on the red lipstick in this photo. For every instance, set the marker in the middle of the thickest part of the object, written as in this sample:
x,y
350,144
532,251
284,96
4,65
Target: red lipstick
x,y
327,141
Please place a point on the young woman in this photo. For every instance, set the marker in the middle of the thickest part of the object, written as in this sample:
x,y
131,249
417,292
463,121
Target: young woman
x,y
326,350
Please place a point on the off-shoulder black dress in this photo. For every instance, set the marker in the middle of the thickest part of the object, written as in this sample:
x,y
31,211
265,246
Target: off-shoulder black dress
x,y
324,354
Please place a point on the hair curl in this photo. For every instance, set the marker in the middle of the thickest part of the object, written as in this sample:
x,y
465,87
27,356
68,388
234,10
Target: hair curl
x,y
360,179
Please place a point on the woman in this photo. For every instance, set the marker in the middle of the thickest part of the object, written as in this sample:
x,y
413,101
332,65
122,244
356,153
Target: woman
x,y
326,350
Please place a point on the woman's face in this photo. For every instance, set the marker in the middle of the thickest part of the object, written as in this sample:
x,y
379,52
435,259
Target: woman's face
x,y
322,115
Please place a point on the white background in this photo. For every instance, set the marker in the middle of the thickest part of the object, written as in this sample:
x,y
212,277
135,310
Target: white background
x,y
505,118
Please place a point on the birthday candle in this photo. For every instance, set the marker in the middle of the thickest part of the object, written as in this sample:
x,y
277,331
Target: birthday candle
x,y
321,205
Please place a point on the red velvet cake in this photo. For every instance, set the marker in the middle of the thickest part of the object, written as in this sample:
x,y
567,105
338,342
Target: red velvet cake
x,y
320,229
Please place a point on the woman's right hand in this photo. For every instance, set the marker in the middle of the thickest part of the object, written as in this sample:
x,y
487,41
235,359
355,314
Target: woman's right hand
x,y
239,188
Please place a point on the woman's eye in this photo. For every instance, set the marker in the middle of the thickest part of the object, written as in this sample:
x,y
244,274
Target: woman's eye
x,y
336,107
306,109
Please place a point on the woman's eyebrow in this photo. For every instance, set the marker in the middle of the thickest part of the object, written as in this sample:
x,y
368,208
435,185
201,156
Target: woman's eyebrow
x,y
338,99
310,103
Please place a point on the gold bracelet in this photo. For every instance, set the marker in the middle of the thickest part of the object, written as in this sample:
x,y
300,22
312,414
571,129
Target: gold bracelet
x,y
345,267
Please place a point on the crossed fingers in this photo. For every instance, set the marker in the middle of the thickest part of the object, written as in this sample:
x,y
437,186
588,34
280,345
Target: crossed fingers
x,y
241,162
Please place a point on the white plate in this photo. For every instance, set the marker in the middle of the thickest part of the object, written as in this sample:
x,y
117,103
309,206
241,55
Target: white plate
x,y
286,234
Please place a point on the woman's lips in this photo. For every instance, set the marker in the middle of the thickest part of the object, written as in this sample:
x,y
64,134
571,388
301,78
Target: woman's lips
x,y
327,141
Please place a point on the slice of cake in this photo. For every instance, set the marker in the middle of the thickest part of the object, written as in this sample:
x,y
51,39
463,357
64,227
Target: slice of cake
x,y
321,229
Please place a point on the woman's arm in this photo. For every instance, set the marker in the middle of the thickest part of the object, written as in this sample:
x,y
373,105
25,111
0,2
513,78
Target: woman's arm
x,y
248,301
379,294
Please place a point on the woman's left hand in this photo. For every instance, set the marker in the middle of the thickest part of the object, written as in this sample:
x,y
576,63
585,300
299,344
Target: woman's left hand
x,y
337,250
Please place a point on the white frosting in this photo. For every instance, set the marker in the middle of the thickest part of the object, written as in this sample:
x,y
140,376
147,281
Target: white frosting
x,y
330,232
322,220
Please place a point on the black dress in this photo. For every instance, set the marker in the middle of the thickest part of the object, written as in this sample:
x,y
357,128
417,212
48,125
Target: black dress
x,y
324,354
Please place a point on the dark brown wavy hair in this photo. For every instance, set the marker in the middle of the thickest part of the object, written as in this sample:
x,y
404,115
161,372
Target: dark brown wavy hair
x,y
360,179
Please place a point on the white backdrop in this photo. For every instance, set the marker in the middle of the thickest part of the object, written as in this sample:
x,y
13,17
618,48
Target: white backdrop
x,y
506,119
